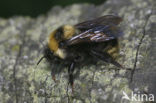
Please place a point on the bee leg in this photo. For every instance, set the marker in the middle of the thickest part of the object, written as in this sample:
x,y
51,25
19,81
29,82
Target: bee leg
x,y
105,57
53,76
53,73
70,72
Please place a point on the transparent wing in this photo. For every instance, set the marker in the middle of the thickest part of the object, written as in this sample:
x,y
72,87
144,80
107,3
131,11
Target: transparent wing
x,y
104,20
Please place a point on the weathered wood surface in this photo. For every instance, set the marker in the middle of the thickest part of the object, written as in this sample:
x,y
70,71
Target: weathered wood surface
x,y
21,40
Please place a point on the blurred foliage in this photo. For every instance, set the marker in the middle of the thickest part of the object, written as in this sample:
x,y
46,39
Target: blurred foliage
x,y
35,7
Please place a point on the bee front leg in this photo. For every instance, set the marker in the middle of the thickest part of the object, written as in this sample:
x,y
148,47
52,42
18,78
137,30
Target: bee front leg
x,y
70,72
105,57
53,76
53,73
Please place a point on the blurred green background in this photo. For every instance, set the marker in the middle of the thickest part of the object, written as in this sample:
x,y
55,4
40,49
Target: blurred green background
x,y
33,8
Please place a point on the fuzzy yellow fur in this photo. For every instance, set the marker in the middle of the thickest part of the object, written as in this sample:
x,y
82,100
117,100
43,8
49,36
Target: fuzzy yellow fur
x,y
69,31
52,43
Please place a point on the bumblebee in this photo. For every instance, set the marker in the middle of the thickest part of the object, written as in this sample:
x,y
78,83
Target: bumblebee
x,y
82,44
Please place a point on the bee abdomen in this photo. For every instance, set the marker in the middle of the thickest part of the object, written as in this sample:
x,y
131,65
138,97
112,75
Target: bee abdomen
x,y
113,49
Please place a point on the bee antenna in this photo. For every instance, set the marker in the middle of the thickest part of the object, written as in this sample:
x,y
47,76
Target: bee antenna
x,y
40,60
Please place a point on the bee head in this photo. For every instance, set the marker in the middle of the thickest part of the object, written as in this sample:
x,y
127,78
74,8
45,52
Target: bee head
x,y
57,38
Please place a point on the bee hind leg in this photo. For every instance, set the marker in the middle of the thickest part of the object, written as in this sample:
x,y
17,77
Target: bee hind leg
x,y
105,57
70,72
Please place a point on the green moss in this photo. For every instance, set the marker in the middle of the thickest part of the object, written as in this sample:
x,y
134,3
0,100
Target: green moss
x,y
15,48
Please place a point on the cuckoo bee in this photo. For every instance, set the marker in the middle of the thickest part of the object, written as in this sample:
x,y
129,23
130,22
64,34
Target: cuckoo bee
x,y
85,43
